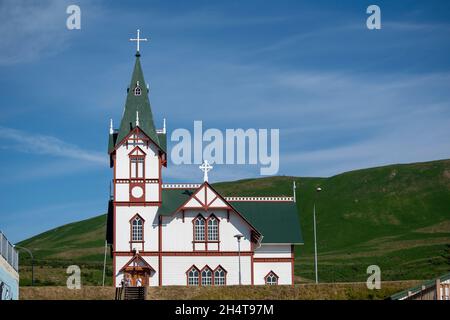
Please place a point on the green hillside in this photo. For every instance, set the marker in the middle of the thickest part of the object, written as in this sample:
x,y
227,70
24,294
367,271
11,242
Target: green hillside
x,y
397,217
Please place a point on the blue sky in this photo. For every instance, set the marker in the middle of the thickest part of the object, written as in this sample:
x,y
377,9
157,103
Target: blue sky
x,y
343,97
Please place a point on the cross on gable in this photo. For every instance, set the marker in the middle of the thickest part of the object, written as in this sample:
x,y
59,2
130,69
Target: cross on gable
x,y
138,39
205,167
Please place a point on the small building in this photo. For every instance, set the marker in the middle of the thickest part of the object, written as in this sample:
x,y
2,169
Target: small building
x,y
436,289
9,270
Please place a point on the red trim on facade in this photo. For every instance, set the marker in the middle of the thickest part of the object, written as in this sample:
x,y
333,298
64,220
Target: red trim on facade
x,y
134,149
135,130
186,253
136,204
137,257
256,260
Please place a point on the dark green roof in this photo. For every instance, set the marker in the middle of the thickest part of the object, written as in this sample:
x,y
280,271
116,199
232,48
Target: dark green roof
x,y
172,199
137,103
278,222
163,141
112,142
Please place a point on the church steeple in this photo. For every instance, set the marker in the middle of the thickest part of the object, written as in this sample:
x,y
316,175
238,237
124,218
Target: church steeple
x,y
137,103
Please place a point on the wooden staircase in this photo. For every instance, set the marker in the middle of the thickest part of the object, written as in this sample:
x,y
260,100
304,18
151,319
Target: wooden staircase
x,y
133,293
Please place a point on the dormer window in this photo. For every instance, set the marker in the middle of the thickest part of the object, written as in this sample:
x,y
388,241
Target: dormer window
x,y
137,89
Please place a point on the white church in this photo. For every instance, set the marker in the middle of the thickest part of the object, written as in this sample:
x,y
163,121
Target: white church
x,y
164,234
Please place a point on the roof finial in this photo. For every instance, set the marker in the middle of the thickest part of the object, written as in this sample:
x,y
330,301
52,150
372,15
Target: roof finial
x,y
111,129
138,39
137,118
205,167
164,125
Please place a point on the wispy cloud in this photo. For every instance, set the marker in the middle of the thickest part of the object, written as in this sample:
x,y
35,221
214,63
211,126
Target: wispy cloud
x,y
47,145
31,29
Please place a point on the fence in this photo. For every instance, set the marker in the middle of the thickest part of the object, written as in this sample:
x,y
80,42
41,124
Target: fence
x,y
436,291
8,252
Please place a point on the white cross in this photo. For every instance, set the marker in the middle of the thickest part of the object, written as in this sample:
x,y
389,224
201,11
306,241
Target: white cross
x,y
138,39
205,167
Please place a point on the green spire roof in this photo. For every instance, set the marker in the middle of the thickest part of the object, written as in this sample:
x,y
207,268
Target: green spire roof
x,y
137,103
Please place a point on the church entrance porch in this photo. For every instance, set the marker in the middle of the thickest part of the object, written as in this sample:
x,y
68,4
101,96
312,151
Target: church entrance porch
x,y
137,272
137,276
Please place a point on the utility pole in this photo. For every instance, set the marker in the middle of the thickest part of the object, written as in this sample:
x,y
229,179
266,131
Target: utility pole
x,y
238,237
104,264
315,236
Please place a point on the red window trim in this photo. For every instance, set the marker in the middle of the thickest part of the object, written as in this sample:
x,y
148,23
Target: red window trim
x,y
187,275
206,241
138,157
213,271
267,275
212,215
212,275
137,215
225,275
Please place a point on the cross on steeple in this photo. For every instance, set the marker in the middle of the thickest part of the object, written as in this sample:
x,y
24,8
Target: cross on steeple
x,y
138,39
205,167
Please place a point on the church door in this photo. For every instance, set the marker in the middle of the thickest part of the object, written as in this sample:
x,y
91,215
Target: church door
x,y
138,278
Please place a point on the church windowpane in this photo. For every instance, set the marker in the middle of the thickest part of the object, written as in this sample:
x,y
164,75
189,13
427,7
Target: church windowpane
x,y
199,229
193,277
137,168
136,229
206,277
271,279
137,91
213,229
219,277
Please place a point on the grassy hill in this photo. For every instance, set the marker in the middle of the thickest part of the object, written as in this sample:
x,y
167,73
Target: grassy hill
x,y
397,217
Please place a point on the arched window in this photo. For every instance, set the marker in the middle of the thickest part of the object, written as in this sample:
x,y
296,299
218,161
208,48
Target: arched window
x,y
206,276
192,275
137,91
219,276
271,278
136,229
213,229
199,229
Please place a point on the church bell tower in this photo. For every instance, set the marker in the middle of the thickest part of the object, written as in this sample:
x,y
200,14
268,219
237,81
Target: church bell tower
x,y
137,153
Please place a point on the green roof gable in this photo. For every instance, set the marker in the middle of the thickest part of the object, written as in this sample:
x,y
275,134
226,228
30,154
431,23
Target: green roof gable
x,y
137,103
277,221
